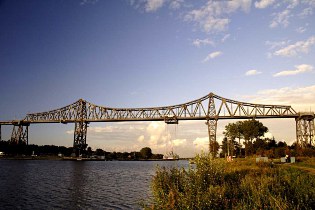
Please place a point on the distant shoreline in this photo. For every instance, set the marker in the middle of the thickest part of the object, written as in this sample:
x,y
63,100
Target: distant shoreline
x,y
77,159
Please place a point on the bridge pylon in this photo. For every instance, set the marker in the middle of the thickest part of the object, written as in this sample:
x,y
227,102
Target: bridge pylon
x,y
305,129
19,134
80,129
212,122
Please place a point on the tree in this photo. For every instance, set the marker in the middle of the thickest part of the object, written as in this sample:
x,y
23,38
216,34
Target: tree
x,y
99,152
214,148
247,130
252,129
233,131
229,147
146,152
260,145
89,151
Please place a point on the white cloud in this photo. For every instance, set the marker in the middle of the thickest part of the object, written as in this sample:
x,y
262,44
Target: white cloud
x,y
293,4
264,3
176,4
281,18
213,17
291,8
140,138
155,131
310,2
155,127
295,49
306,12
200,42
268,135
226,36
201,143
85,2
300,98
252,72
300,30
153,5
276,45
70,132
179,142
98,129
212,56
303,68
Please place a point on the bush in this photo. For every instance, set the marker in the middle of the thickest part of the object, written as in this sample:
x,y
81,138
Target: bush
x,y
216,184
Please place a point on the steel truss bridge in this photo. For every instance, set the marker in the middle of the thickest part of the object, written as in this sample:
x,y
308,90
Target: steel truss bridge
x,y
210,108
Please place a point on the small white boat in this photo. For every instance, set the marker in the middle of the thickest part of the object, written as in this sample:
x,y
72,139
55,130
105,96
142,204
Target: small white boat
x,y
171,156
80,157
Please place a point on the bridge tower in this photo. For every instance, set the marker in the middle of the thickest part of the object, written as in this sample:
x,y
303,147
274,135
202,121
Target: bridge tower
x,y
80,129
212,122
305,129
19,134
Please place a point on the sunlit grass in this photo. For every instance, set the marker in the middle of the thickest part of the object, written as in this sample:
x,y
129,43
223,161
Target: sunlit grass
x,y
241,184
307,162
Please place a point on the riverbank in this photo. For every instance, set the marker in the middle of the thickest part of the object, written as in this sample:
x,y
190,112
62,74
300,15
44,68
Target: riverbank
x,y
30,158
76,158
240,184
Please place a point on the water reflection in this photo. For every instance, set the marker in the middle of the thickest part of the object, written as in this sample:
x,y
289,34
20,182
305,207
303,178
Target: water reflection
x,y
76,185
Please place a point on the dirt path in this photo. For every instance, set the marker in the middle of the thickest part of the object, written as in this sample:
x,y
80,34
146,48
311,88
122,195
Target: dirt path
x,y
304,168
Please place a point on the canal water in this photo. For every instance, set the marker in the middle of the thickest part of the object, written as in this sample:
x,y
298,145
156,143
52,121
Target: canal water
x,y
47,184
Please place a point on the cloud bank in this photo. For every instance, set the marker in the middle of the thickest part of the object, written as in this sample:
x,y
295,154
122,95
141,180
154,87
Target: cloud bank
x,y
299,69
296,48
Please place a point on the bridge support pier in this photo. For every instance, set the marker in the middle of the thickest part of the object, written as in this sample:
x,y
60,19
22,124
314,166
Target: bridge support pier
x,y
19,134
79,143
305,129
212,132
80,129
212,121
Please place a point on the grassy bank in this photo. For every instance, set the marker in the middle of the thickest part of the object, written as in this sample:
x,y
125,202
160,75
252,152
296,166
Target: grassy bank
x,y
241,184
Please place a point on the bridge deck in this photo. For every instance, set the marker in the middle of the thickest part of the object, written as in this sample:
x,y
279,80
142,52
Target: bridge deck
x,y
27,122
209,107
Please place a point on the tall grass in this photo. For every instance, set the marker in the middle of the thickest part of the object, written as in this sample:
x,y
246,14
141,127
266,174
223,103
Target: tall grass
x,y
216,184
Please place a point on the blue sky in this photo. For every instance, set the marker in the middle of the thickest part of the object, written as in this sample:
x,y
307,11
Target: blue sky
x,y
144,53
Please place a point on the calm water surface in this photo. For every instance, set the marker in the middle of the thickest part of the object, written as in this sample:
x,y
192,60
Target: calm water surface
x,y
44,184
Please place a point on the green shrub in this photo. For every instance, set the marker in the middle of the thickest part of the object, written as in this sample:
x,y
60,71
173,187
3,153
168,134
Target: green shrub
x,y
217,184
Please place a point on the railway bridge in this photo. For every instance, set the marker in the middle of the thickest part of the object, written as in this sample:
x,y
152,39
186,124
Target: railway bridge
x,y
209,108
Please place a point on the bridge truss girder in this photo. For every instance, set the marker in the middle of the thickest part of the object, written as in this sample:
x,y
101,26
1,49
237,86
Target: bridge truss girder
x,y
194,110
210,108
305,130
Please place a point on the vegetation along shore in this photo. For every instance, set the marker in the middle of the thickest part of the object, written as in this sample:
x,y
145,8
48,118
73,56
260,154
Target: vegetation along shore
x,y
239,184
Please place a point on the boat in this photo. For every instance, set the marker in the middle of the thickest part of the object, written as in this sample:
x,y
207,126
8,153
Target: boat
x,y
80,157
170,156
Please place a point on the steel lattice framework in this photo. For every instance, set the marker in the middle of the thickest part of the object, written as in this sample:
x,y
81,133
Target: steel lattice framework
x,y
200,109
210,108
305,129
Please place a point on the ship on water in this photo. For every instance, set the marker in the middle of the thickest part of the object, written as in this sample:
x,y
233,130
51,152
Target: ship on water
x,y
171,156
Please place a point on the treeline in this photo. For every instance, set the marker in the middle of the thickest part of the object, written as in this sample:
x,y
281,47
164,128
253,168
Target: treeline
x,y
10,149
250,134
